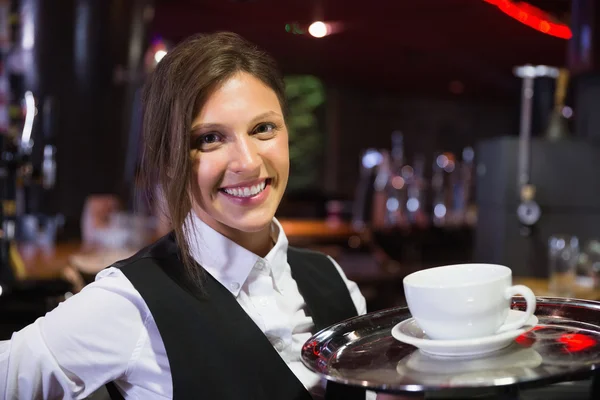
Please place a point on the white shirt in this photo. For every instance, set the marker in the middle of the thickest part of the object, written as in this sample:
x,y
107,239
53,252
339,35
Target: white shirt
x,y
106,331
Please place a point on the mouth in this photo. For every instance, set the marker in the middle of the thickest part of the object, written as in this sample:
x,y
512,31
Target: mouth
x,y
247,190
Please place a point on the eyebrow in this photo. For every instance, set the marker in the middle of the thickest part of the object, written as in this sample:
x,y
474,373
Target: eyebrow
x,y
211,125
264,116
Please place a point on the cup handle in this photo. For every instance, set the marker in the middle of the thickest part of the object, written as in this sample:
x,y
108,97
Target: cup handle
x,y
531,304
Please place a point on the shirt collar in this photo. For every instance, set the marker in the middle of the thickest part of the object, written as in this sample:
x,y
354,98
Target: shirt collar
x,y
277,257
229,263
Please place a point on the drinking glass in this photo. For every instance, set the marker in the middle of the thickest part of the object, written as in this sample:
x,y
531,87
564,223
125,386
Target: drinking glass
x,y
563,255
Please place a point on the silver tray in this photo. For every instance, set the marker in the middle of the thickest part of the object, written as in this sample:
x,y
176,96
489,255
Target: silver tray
x,y
564,346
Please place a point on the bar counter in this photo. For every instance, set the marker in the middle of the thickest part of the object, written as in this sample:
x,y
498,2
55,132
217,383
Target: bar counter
x,y
55,261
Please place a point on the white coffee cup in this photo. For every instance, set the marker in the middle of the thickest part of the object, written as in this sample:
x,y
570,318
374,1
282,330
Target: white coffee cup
x,y
465,301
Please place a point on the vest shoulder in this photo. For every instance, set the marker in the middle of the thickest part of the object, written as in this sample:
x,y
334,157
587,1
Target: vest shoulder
x,y
310,259
163,248
297,251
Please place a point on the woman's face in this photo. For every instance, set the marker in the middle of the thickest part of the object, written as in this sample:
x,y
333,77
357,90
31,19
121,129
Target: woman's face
x,y
240,156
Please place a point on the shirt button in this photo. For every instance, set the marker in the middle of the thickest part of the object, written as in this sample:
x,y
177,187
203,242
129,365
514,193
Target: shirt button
x,y
260,265
234,286
279,345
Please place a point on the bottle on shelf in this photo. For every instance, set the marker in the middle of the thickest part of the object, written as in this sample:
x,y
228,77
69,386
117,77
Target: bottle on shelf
x,y
557,125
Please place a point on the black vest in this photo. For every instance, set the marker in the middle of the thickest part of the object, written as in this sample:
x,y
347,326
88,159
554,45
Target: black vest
x,y
214,348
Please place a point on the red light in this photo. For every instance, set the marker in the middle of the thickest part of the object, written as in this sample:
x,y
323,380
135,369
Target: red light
x,y
532,17
312,346
527,340
523,16
576,342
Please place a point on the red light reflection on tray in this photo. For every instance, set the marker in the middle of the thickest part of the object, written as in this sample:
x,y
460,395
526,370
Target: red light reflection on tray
x,y
313,345
572,342
576,342
525,339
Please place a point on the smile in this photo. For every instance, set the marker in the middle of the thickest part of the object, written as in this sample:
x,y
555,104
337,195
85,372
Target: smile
x,y
247,190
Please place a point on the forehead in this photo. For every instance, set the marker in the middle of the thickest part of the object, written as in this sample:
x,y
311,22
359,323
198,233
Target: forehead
x,y
239,96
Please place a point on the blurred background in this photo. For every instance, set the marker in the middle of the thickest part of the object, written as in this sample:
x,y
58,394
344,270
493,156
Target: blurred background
x,y
422,133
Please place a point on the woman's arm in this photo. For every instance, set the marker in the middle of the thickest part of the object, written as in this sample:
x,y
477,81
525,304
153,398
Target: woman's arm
x,y
359,301
88,340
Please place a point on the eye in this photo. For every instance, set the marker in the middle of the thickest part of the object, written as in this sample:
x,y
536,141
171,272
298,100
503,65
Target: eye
x,y
265,129
208,141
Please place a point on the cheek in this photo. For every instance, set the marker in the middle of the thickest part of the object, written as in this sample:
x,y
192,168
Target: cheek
x,y
278,151
207,172
283,154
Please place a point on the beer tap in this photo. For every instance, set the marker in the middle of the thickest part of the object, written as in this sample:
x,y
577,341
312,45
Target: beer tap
x,y
36,179
20,179
11,265
528,211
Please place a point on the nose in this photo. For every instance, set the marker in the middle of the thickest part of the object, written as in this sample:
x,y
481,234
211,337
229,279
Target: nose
x,y
246,156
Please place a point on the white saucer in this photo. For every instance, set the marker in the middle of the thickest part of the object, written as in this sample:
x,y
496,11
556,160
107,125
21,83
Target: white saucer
x,y
408,331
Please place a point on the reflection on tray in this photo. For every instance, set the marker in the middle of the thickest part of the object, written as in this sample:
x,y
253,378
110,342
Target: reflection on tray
x,y
564,345
504,365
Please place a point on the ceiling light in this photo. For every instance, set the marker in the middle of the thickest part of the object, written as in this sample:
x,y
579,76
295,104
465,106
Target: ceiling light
x,y
318,29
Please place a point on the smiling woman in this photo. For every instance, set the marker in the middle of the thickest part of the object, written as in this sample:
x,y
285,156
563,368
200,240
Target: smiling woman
x,y
224,93
220,307
240,161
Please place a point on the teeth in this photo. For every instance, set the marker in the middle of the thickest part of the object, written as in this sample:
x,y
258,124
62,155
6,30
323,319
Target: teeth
x,y
246,191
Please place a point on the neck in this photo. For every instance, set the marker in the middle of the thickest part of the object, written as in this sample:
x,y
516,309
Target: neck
x,y
260,242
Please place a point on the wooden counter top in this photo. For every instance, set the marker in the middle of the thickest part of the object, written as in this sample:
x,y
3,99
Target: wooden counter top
x,y
47,262
51,262
316,229
539,286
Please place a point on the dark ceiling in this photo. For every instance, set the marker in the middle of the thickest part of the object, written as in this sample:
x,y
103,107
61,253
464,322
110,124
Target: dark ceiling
x,y
390,45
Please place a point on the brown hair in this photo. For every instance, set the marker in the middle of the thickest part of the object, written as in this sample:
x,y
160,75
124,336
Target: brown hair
x,y
174,94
